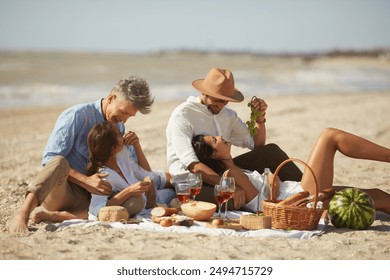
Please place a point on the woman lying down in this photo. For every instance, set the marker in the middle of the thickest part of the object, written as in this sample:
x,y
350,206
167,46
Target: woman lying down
x,y
215,152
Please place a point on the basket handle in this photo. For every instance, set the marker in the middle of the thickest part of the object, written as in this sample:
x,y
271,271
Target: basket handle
x,y
274,189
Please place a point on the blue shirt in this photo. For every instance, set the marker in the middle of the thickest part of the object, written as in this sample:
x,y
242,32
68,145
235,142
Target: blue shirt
x,y
69,136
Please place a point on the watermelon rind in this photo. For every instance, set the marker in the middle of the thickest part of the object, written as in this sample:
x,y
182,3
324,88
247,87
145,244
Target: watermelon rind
x,y
352,208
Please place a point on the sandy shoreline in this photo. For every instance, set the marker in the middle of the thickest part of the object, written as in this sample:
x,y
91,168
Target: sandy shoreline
x,y
293,122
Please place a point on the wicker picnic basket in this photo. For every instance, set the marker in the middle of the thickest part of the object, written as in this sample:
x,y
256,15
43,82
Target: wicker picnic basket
x,y
291,216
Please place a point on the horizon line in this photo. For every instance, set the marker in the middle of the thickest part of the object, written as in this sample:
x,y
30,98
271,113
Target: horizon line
x,y
330,52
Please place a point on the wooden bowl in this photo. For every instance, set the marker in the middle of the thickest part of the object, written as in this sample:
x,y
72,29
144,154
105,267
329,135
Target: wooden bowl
x,y
199,210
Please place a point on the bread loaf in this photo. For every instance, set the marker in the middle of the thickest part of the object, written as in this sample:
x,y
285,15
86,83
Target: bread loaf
x,y
147,179
290,200
163,211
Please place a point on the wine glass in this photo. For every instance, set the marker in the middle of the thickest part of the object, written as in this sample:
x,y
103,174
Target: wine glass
x,y
195,181
182,192
219,198
228,187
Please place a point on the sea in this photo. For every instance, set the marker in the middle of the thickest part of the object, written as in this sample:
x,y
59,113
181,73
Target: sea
x,y
30,79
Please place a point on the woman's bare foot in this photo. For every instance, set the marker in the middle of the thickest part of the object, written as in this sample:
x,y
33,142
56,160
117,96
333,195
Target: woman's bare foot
x,y
18,225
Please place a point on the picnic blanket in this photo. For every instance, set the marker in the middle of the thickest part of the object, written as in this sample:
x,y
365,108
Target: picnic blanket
x,y
147,224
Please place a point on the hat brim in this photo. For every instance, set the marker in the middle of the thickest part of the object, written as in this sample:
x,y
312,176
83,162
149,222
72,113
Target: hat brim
x,y
236,97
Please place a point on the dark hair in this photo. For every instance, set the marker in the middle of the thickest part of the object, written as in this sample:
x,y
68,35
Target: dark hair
x,y
101,140
204,152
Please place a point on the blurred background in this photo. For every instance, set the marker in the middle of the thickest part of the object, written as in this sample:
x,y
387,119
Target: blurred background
x,y
60,52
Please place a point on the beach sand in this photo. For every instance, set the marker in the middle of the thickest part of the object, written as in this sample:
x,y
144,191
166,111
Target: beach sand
x,y
293,122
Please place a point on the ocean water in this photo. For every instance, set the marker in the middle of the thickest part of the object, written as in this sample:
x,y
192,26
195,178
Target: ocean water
x,y
44,79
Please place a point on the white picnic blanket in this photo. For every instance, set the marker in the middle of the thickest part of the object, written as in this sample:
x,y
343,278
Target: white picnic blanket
x,y
200,227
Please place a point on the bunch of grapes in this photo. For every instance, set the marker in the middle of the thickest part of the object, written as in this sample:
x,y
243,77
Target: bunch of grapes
x,y
253,116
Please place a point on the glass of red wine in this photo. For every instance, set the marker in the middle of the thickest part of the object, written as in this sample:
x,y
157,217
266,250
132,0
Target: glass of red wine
x,y
228,187
219,198
195,181
183,192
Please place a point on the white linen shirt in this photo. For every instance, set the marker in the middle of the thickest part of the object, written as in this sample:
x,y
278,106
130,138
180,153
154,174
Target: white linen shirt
x,y
133,173
192,118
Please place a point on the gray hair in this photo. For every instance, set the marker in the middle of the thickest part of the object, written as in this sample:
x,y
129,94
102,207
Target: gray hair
x,y
136,90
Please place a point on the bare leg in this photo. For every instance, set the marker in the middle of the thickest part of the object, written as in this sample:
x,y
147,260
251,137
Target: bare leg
x,y
381,198
58,216
18,224
321,160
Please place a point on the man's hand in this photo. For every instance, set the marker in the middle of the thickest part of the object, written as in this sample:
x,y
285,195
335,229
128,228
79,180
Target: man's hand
x,y
260,106
96,184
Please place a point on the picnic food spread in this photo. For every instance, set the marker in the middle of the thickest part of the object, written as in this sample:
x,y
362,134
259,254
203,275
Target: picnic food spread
x,y
184,214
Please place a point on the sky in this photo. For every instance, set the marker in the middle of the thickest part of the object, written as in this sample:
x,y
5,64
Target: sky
x,y
268,26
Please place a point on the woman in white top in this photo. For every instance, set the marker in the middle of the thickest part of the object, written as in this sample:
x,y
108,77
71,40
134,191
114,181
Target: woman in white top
x,y
215,152
109,154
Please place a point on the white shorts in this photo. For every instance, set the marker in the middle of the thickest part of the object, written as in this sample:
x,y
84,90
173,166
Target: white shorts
x,y
286,189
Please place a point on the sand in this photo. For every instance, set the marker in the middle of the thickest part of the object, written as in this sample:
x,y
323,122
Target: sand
x,y
293,122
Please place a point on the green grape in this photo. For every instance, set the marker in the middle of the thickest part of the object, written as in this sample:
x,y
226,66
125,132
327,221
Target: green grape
x,y
253,116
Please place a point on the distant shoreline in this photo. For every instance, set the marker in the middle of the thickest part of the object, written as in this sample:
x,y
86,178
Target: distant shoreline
x,y
48,78
374,52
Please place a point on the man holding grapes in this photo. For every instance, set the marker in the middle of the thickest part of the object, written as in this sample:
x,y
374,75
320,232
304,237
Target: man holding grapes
x,y
209,115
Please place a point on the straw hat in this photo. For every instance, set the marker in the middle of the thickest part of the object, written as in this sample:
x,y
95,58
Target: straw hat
x,y
219,83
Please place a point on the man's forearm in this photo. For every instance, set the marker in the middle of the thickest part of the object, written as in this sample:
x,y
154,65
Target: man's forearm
x,y
208,175
78,178
260,137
